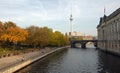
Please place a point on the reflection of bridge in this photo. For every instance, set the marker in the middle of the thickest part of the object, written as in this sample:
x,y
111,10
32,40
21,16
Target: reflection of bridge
x,y
82,42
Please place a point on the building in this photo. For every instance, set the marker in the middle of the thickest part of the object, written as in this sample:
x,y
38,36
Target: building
x,y
109,32
75,34
87,37
80,36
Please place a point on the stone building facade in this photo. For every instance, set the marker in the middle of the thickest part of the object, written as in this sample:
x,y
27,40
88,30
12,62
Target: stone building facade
x,y
109,32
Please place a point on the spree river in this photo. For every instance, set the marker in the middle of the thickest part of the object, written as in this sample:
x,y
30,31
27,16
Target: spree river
x,y
76,60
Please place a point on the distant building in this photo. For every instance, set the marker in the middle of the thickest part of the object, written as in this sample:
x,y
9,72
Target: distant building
x,y
109,32
95,37
81,36
75,33
87,37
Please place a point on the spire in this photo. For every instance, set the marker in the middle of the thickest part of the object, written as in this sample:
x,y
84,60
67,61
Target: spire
x,y
71,18
104,18
71,7
104,10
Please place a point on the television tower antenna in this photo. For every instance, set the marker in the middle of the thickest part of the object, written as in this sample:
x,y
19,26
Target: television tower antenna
x,y
71,19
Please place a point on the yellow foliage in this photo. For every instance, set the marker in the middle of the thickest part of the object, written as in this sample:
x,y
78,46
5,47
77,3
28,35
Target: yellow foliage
x,y
14,34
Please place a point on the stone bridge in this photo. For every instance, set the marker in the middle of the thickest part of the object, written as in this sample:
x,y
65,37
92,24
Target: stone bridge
x,y
83,43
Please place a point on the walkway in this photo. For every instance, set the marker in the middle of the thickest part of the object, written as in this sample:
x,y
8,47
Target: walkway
x,y
9,61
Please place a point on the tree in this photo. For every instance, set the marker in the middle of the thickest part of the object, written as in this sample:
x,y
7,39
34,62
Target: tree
x,y
43,39
38,36
66,40
33,35
9,24
1,28
14,35
32,40
58,39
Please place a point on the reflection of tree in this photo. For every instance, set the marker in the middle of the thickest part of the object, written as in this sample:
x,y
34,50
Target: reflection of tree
x,y
108,63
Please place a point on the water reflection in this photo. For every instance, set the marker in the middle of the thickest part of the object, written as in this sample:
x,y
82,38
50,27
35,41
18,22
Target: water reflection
x,y
76,60
108,63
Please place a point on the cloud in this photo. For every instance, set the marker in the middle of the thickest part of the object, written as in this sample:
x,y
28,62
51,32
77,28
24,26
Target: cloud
x,y
54,13
112,6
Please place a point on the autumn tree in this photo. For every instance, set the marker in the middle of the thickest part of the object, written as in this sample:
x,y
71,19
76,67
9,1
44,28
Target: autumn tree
x,y
58,39
43,39
1,28
62,39
32,36
66,40
13,34
38,36
9,24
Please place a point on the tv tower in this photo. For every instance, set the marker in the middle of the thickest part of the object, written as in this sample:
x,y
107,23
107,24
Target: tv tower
x,y
71,19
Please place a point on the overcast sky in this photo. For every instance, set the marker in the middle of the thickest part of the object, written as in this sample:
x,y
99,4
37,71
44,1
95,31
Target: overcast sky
x,y
55,13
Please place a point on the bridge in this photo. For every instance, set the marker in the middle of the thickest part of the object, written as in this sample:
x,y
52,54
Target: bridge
x,y
83,43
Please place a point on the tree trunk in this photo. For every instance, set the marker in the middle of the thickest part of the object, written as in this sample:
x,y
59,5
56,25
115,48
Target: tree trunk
x,y
14,47
34,46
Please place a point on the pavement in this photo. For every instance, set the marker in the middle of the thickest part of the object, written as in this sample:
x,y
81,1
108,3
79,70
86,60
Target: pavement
x,y
8,61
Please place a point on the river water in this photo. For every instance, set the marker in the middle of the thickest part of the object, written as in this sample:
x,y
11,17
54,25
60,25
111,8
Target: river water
x,y
76,60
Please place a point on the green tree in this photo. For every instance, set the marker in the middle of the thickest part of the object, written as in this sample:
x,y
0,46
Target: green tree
x,y
58,39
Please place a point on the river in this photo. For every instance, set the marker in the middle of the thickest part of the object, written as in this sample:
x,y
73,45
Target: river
x,y
76,60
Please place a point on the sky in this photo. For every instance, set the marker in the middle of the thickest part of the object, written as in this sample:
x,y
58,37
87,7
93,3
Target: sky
x,y
55,14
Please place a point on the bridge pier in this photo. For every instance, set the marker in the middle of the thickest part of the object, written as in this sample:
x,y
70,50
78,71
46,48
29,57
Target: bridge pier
x,y
83,45
95,44
72,45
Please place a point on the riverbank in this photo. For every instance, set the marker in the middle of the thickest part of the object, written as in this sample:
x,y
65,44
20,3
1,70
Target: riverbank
x,y
14,63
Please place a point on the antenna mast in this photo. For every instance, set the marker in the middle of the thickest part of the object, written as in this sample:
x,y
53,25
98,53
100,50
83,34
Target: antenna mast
x,y
71,19
104,10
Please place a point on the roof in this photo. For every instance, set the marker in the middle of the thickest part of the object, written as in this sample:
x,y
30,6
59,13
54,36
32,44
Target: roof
x,y
107,18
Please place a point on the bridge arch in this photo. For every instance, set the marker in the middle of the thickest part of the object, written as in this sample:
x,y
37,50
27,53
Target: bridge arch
x,y
83,43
